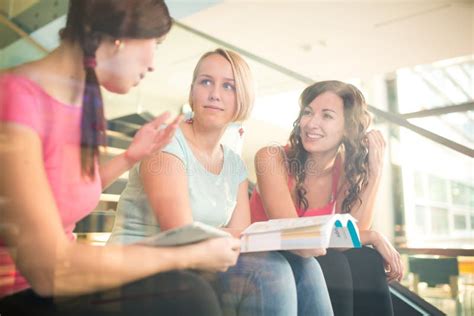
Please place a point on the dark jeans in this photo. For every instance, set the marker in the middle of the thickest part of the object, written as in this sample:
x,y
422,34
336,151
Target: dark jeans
x,y
356,282
171,293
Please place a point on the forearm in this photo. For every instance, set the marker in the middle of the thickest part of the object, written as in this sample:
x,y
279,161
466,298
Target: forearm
x,y
113,168
235,232
368,237
84,269
364,212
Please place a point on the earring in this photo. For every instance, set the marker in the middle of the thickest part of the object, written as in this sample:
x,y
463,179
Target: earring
x,y
119,44
190,119
241,131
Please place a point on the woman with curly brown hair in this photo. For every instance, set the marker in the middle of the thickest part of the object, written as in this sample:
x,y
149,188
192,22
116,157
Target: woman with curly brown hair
x,y
333,165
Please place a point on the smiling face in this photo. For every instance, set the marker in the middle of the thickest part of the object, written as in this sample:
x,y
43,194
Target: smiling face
x,y
213,93
121,67
322,123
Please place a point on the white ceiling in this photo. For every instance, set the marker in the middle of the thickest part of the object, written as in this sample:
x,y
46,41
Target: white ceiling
x,y
317,39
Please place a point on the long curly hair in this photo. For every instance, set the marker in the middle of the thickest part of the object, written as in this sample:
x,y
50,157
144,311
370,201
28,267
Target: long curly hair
x,y
353,147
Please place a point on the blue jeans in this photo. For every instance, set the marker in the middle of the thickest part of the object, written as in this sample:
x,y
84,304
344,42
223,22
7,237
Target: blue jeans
x,y
273,283
313,295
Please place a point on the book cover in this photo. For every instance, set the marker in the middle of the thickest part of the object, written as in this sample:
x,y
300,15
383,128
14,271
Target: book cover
x,y
329,231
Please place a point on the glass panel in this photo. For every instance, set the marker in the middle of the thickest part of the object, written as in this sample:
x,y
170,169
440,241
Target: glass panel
x,y
462,194
439,221
419,188
437,189
420,219
458,127
460,222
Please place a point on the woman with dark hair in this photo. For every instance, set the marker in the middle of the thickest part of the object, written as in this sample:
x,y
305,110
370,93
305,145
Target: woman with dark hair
x,y
51,128
333,165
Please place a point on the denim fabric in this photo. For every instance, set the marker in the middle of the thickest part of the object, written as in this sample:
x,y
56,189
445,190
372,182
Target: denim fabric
x,y
272,283
313,296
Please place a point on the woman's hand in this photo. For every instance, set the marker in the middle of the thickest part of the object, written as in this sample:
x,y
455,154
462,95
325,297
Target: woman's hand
x,y
215,254
151,138
308,253
376,145
391,257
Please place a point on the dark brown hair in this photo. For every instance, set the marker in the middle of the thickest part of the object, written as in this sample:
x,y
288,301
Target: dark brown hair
x,y
354,146
89,22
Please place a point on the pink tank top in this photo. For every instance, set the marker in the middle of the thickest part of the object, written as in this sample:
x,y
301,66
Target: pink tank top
x,y
258,213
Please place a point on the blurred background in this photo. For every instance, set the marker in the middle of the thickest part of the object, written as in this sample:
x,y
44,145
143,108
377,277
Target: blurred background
x,y
413,60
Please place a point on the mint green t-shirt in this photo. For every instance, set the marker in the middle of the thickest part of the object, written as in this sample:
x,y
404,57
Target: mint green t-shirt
x,y
213,197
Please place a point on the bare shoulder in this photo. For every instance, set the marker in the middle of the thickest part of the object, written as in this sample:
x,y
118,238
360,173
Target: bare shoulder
x,y
161,163
270,158
270,153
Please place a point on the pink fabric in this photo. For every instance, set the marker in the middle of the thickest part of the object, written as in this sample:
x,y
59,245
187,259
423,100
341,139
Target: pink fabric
x,y
258,213
57,125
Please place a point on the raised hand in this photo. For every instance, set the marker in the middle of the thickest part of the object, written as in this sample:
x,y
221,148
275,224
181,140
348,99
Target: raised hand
x,y
376,145
151,137
216,254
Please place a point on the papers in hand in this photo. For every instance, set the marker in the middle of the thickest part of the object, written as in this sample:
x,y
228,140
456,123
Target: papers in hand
x,y
329,231
183,235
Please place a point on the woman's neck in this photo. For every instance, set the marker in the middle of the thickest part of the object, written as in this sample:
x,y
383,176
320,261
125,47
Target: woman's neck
x,y
319,164
206,140
60,74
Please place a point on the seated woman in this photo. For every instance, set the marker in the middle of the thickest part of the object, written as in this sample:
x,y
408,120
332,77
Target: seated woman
x,y
333,166
51,128
195,178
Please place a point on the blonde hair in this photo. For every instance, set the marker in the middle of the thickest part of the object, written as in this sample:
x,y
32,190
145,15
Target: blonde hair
x,y
244,83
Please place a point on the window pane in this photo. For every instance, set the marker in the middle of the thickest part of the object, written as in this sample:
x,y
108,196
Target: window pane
x,y
439,221
420,219
460,222
437,189
462,194
419,190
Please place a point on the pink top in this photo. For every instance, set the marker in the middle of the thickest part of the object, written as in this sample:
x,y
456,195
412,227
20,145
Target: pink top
x,y
258,213
57,125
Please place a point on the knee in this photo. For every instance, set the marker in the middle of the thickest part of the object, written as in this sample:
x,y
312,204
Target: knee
x,y
335,263
276,265
371,257
267,268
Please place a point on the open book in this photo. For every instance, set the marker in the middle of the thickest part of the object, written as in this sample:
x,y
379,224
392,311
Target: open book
x,y
329,231
183,235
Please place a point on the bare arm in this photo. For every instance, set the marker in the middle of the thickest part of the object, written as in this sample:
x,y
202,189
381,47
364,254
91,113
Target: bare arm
x,y
364,211
51,263
241,215
272,179
166,185
148,140
392,260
